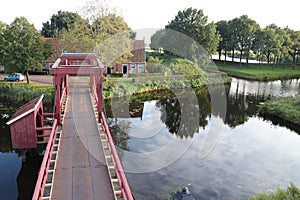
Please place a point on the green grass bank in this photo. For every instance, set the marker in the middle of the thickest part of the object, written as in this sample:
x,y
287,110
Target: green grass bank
x,y
259,72
14,95
284,108
290,193
118,87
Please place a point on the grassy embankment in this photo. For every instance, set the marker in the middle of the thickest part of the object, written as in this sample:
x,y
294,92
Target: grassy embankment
x,y
291,193
17,94
265,72
285,108
174,73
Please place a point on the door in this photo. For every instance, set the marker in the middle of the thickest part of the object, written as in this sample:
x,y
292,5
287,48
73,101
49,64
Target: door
x,y
125,69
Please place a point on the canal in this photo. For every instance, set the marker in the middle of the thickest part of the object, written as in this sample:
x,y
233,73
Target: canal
x,y
163,146
170,139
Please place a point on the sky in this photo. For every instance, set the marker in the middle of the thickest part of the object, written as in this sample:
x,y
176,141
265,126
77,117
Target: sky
x,y
153,14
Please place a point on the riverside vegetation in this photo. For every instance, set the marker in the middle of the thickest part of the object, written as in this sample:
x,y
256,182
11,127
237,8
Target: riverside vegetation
x,y
164,73
284,108
259,72
17,94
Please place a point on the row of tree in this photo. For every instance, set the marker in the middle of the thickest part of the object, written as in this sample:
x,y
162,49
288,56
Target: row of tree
x,y
189,33
105,33
269,44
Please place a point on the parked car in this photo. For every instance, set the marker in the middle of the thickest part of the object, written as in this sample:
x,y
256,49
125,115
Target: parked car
x,y
14,77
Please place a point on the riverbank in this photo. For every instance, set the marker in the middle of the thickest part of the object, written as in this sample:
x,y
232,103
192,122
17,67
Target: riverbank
x,y
284,108
258,72
118,87
14,95
291,192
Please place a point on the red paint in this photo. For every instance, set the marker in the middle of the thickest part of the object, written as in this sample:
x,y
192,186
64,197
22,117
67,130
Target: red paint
x,y
125,189
24,124
75,64
43,173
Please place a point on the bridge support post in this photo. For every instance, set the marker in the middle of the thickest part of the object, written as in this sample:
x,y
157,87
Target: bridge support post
x,y
67,83
99,94
58,88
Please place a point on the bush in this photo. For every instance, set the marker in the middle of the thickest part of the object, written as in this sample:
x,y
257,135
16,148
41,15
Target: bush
x,y
185,67
116,74
291,193
38,72
157,68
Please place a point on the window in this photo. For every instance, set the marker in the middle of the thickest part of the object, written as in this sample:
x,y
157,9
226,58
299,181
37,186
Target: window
x,y
140,68
132,68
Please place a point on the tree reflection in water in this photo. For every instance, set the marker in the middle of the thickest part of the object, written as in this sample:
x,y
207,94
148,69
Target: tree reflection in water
x,y
240,106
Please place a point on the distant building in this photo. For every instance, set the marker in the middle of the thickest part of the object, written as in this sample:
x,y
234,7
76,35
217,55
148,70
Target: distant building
x,y
135,64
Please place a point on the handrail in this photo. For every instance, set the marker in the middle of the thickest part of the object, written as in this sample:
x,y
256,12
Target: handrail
x,y
77,66
56,64
95,94
43,173
125,189
62,100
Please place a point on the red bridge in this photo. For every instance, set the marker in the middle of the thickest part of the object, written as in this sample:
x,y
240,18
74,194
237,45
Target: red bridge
x,y
80,160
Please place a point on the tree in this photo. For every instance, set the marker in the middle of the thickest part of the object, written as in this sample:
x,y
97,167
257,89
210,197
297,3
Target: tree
x,y
285,48
104,33
24,48
190,36
2,45
222,29
243,31
294,45
60,22
193,23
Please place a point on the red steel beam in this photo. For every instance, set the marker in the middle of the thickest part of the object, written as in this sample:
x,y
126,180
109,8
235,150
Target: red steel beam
x,y
125,189
43,173
75,70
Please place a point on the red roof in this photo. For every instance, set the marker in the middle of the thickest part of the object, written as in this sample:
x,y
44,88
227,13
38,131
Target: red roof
x,y
138,51
25,110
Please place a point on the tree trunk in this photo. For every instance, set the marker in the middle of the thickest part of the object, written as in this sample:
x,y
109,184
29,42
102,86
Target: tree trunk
x,y
225,57
220,53
248,55
232,55
294,60
27,76
241,55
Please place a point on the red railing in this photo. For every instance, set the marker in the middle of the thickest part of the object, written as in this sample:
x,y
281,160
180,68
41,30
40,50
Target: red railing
x,y
43,173
125,189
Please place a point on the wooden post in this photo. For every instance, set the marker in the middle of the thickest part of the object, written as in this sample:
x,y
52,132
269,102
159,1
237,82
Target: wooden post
x,y
66,83
99,93
58,96
92,82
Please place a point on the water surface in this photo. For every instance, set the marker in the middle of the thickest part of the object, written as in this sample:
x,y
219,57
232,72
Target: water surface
x,y
162,149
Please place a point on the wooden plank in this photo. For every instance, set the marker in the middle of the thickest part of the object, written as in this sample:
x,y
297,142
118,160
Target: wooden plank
x,y
81,166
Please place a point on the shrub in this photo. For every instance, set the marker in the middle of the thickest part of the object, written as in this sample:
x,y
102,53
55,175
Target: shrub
x,y
291,193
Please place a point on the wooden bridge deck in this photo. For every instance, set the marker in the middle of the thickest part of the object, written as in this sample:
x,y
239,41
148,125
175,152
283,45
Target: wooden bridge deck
x,y
81,171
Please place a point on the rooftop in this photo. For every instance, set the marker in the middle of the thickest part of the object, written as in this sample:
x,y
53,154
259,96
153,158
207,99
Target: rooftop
x,y
25,110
